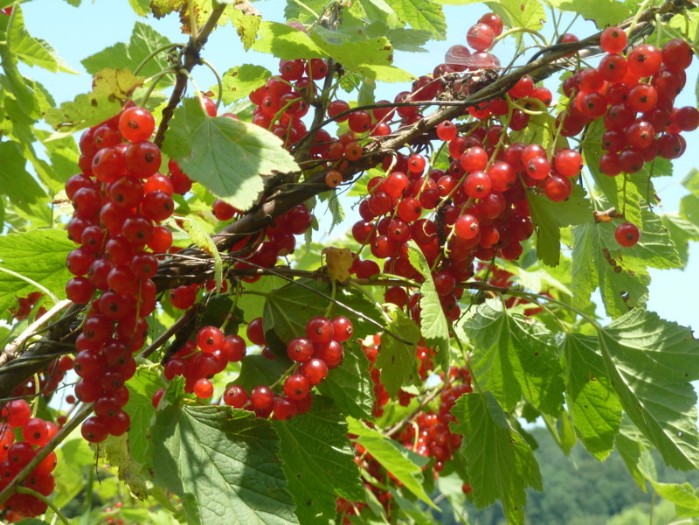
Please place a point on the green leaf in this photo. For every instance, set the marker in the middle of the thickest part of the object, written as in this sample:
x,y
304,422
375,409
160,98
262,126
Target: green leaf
x,y
246,25
144,41
515,356
289,308
318,461
140,7
240,81
256,370
37,256
681,232
433,323
396,359
72,457
593,265
286,42
15,181
391,456
528,15
110,88
424,15
251,303
651,363
197,230
141,387
223,464
603,12
500,463
549,217
32,51
350,385
593,404
227,156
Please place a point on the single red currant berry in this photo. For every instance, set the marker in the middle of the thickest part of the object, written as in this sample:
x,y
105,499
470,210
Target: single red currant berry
x,y
235,396
480,36
255,332
627,234
315,370
296,387
319,329
209,339
613,40
342,329
136,124
203,388
466,226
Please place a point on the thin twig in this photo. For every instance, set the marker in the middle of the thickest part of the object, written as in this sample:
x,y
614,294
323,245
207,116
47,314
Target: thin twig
x,y
12,350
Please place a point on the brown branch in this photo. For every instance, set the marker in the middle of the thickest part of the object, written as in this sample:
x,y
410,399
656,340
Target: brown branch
x,y
189,59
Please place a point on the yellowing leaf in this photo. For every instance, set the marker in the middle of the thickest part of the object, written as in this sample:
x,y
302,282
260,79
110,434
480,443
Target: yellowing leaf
x,y
339,261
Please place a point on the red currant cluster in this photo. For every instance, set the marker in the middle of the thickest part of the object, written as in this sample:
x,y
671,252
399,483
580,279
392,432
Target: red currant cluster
x,y
15,455
371,346
427,433
25,305
284,100
313,356
198,361
634,94
430,435
119,199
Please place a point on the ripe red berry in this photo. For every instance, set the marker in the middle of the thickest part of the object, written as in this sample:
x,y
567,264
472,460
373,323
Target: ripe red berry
x,y
255,332
627,234
136,124
613,40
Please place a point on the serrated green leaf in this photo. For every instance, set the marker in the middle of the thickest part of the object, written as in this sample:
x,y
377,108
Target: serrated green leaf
x,y
256,370
140,7
603,12
285,42
528,15
227,156
15,181
681,231
396,359
223,464
318,461
433,323
350,385
651,363
691,182
424,15
38,256
246,25
144,41
594,407
252,303
72,456
631,446
201,237
500,464
111,87
515,356
240,81
32,51
289,308
388,453
141,387
593,266
549,217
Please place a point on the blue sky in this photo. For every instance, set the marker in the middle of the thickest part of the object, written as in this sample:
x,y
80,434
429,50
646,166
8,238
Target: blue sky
x,y
76,33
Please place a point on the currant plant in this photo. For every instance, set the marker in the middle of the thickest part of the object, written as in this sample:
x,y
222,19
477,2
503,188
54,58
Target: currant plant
x,y
171,290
